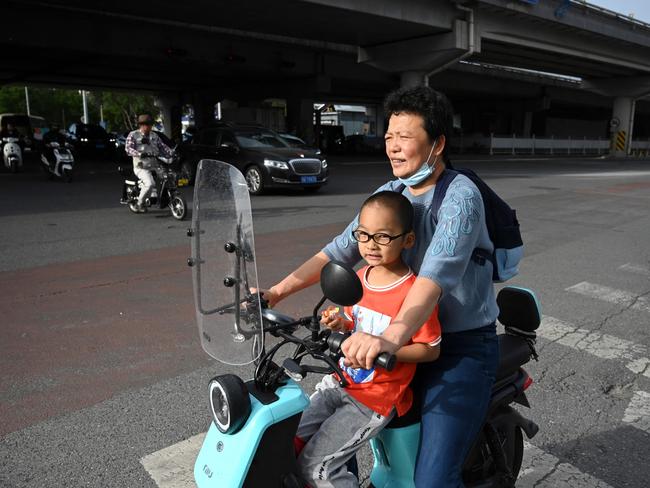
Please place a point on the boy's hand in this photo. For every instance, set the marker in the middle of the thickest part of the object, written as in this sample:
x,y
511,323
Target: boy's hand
x,y
331,319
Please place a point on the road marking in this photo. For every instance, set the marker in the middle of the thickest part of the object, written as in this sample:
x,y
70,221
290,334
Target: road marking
x,y
601,345
173,466
637,413
611,295
635,268
540,469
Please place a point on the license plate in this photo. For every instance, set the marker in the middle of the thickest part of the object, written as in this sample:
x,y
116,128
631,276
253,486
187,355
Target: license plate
x,y
308,179
99,146
183,182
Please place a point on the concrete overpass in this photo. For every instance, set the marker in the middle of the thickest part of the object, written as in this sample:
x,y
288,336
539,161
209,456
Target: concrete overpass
x,y
201,51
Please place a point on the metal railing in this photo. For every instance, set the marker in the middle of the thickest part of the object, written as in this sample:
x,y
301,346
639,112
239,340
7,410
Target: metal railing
x,y
514,145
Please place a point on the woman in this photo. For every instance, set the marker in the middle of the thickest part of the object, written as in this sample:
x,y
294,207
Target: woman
x,y
455,389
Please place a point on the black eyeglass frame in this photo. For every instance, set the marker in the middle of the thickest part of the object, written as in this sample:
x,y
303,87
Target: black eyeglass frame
x,y
372,236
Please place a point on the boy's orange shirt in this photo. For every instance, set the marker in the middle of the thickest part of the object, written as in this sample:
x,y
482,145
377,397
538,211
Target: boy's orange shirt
x,y
377,388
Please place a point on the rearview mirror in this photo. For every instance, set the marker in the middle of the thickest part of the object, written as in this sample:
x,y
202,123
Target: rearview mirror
x,y
340,284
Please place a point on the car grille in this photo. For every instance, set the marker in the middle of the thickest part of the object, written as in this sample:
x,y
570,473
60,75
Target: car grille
x,y
306,166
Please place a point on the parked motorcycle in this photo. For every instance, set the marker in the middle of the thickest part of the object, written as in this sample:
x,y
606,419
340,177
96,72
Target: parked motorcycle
x,y
12,153
250,439
165,193
57,160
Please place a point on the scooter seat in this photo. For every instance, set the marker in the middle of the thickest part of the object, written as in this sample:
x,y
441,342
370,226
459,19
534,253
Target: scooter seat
x,y
514,352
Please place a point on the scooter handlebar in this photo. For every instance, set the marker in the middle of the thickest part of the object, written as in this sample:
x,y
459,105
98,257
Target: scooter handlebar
x,y
384,360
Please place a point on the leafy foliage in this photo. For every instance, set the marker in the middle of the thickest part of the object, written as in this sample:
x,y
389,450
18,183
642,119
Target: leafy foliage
x,y
64,106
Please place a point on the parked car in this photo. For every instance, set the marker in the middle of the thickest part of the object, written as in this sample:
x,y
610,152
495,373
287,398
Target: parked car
x,y
362,144
31,127
265,159
90,139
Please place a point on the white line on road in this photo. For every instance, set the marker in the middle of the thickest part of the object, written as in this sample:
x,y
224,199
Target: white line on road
x,y
635,268
611,295
604,346
173,466
543,470
638,411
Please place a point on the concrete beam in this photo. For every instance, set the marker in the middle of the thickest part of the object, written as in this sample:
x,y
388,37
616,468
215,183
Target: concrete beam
x,y
424,53
553,37
630,87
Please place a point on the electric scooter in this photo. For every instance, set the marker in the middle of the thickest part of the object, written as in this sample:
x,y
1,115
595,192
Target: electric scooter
x,y
12,154
57,160
250,439
165,193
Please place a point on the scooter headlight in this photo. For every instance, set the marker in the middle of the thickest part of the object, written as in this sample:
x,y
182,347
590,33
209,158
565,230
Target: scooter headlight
x,y
229,402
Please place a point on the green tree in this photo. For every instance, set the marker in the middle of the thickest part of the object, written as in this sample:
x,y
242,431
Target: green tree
x,y
121,109
64,106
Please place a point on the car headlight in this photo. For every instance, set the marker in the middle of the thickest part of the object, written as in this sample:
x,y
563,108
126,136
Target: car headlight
x,y
229,402
323,163
270,163
84,139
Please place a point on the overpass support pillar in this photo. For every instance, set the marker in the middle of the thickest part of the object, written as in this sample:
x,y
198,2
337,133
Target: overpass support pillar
x,y
203,106
413,78
171,110
622,125
300,118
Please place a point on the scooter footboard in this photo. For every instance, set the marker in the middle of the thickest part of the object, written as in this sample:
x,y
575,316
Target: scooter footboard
x,y
260,452
401,447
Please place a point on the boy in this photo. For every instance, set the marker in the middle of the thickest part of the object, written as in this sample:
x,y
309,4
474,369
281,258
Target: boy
x,y
338,420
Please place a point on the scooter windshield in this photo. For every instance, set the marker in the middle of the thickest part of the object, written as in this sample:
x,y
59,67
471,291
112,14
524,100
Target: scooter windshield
x,y
223,260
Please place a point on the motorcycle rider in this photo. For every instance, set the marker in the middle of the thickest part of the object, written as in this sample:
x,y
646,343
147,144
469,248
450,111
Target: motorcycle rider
x,y
10,131
143,146
52,135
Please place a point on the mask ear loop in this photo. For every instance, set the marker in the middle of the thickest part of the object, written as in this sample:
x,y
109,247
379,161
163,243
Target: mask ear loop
x,y
433,166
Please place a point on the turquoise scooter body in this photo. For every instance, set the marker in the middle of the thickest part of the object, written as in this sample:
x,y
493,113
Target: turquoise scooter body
x,y
225,459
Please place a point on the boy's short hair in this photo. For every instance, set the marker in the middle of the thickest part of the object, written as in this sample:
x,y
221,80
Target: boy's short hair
x,y
395,201
433,106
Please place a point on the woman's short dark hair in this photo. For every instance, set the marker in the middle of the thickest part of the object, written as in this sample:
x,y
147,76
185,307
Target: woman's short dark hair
x,y
396,202
434,107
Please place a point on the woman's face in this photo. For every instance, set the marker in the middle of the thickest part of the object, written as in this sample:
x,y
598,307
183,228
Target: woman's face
x,y
407,144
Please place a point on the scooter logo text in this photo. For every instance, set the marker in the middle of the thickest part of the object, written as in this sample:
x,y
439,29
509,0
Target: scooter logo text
x,y
207,471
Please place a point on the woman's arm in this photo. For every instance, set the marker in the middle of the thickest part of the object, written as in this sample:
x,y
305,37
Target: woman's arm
x,y
361,349
418,352
305,276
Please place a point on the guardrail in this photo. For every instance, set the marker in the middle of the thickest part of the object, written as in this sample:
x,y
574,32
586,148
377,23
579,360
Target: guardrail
x,y
550,145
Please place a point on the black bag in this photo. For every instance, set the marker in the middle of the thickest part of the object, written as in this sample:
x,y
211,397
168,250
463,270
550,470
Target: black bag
x,y
501,221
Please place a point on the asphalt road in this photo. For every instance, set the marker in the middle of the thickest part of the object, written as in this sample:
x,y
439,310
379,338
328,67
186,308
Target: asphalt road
x,y
100,363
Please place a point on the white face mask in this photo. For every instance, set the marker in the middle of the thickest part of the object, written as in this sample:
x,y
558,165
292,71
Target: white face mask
x,y
423,173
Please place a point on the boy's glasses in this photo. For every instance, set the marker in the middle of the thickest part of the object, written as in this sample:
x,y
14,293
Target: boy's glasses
x,y
379,237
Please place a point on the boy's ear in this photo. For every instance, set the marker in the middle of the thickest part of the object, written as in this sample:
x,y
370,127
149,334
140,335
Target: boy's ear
x,y
409,240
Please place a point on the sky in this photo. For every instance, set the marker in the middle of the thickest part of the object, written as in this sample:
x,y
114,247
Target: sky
x,y
640,8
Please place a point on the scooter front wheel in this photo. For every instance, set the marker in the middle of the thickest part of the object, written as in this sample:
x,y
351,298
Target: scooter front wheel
x,y
178,207
67,176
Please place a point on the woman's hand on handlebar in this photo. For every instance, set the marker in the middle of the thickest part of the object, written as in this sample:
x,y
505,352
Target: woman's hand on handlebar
x,y
271,297
361,349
